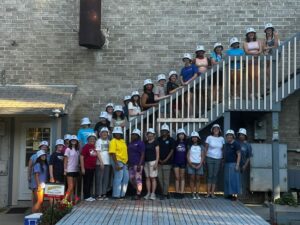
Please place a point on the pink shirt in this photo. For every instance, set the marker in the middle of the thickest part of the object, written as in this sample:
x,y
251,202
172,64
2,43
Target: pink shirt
x,y
202,64
253,47
73,160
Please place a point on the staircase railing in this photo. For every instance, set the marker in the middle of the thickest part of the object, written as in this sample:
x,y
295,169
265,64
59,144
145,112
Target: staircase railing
x,y
259,85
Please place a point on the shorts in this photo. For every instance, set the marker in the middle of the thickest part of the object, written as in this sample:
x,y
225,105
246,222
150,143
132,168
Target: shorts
x,y
180,165
149,170
193,171
73,174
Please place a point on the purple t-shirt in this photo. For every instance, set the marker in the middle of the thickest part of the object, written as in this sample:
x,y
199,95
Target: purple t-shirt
x,y
180,153
135,150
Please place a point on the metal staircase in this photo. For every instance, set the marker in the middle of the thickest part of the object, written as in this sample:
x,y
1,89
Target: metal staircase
x,y
260,85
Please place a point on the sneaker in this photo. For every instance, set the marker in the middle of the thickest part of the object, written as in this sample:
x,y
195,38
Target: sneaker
x,y
207,196
105,197
100,198
147,196
198,196
152,196
194,196
213,196
90,199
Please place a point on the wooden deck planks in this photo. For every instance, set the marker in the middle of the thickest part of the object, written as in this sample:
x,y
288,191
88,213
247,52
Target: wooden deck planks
x,y
167,212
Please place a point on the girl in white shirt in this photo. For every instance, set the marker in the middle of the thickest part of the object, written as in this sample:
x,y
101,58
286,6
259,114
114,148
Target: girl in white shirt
x,y
195,159
134,106
214,155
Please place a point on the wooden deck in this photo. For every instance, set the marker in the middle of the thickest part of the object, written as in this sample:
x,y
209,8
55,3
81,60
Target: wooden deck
x,y
172,211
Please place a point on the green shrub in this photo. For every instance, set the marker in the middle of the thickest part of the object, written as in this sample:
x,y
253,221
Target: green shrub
x,y
287,199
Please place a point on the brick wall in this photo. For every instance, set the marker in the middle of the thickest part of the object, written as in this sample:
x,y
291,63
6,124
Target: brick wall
x,y
144,38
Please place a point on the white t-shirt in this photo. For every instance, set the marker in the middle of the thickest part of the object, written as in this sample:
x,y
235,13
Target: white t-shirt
x,y
73,160
215,145
195,153
136,109
102,147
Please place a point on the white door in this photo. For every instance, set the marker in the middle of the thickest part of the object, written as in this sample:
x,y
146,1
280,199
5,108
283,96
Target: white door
x,y
31,135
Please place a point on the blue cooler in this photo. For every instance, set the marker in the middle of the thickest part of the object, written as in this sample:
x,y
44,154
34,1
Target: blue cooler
x,y
32,219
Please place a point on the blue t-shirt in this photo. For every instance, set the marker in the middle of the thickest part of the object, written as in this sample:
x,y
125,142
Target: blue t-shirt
x,y
235,52
180,153
246,152
43,174
188,72
82,135
230,151
217,58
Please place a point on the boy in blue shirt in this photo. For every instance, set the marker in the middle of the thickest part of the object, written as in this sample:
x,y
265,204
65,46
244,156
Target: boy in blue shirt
x,y
84,131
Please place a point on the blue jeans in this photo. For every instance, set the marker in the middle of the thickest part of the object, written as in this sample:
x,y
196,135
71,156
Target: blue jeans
x,y
120,182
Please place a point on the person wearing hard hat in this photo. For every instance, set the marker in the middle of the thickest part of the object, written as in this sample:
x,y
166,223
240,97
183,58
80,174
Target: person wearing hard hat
x,y
66,142
102,174
166,150
272,39
235,52
56,163
136,158
201,61
179,162
84,131
151,164
44,145
160,89
173,84
147,100
88,159
118,119
71,166
39,179
134,106
252,47
246,154
195,159
216,55
126,101
119,155
214,154
109,108
232,158
103,122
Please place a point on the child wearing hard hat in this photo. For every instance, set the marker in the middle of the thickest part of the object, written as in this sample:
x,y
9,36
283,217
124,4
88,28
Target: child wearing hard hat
x,y
102,173
160,89
84,131
109,108
232,158
88,159
134,106
40,177
56,163
118,119
103,122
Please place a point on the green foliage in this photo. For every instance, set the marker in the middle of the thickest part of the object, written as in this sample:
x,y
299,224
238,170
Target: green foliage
x,y
60,209
287,199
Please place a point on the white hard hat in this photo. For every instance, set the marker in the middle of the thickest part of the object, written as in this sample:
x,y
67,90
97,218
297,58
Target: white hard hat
x,y
110,104
165,127
200,48
233,40
135,93
67,137
250,30
85,121
91,135
172,72
161,77
74,137
127,97
230,132
269,25
40,153
136,131
117,130
195,134
104,129
214,126
103,114
147,81
44,143
187,56
180,131
218,44
118,108
151,130
59,142
242,131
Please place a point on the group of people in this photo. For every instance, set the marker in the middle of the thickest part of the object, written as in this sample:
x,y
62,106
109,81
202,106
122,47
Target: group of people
x,y
155,158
